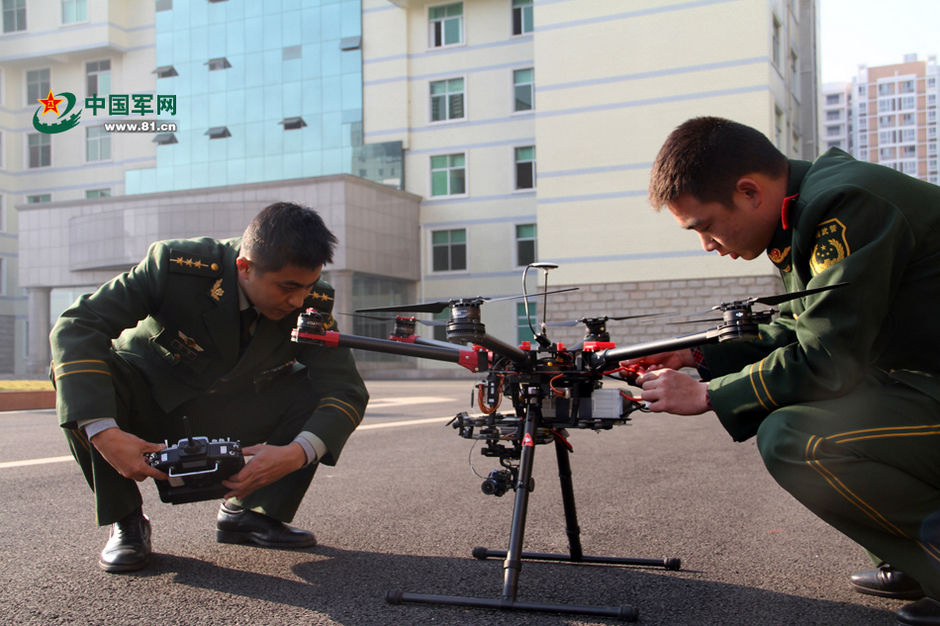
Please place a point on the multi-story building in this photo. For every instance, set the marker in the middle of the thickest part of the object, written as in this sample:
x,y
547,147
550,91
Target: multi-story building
x,y
836,116
530,129
490,133
897,116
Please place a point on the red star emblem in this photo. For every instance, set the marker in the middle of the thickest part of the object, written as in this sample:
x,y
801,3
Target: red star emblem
x,y
50,103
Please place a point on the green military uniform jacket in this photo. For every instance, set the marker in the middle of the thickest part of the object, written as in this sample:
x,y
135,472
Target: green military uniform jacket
x,y
855,222
175,317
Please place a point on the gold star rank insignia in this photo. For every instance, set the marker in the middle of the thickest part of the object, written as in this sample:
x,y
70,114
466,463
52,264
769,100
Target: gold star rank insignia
x,y
831,246
216,292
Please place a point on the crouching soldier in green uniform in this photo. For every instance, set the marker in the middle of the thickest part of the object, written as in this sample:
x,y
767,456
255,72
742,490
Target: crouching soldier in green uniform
x,y
842,390
201,328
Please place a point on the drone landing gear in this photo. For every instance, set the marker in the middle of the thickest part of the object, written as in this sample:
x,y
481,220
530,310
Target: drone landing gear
x,y
514,555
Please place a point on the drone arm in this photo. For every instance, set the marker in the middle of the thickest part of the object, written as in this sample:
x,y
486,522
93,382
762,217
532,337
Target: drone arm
x,y
470,359
615,355
503,349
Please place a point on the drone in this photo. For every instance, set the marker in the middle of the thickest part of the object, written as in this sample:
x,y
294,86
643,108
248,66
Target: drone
x,y
551,390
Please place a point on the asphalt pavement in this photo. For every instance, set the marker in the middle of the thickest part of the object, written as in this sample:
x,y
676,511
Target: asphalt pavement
x,y
403,510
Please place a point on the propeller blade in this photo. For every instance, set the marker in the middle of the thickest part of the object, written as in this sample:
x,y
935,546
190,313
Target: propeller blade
x,y
785,297
632,317
709,320
432,322
568,323
532,295
368,317
427,307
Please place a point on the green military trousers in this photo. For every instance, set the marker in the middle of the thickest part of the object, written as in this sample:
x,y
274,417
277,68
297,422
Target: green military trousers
x,y
867,463
236,410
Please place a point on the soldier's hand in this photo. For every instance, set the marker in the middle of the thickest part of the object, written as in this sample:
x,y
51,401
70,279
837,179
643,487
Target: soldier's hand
x,y
125,452
674,360
266,465
669,391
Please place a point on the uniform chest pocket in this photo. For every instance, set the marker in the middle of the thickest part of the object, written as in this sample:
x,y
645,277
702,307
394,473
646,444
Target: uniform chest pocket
x,y
179,350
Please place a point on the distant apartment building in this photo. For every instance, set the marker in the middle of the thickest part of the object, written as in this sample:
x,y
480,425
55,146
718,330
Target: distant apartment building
x,y
886,115
836,117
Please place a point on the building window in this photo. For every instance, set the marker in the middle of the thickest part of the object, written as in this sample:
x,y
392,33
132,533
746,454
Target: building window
x,y
909,135
932,148
887,136
525,167
166,71
832,116
932,164
794,72
449,250
523,82
862,90
907,102
863,139
218,64
449,175
164,5
931,82
906,86
74,11
522,23
3,277
886,153
37,85
931,99
218,132
523,329
932,116
14,15
910,167
886,120
43,197
775,43
834,144
833,98
97,144
447,100
833,131
446,25
526,244
907,119
293,123
909,152
885,89
886,105
40,149
778,128
98,75
863,155
97,193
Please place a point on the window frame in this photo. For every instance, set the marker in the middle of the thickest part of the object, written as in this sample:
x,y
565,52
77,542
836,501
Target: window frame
x,y
3,19
446,94
429,22
29,148
26,199
44,93
530,8
516,239
512,91
62,21
466,176
524,327
515,169
107,189
466,252
101,134
97,74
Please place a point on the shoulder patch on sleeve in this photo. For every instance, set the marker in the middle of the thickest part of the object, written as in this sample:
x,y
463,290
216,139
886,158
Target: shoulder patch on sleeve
x,y
198,264
831,246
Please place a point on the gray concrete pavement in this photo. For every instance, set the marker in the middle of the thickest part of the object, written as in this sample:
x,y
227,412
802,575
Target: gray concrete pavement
x,y
403,510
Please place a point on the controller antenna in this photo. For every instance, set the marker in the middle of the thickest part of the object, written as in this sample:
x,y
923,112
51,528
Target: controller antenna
x,y
540,336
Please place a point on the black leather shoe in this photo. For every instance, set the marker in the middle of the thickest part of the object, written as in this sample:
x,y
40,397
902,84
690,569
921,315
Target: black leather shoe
x,y
924,612
128,547
887,583
237,525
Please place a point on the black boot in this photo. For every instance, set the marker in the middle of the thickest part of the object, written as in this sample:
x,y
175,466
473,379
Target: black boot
x,y
924,612
128,547
887,583
238,525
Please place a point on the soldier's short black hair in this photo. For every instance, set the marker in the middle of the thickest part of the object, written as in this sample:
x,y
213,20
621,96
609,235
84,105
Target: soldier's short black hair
x,y
706,156
288,234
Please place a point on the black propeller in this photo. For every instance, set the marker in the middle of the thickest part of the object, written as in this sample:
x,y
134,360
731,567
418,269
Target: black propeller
x,y
437,307
392,319
605,318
